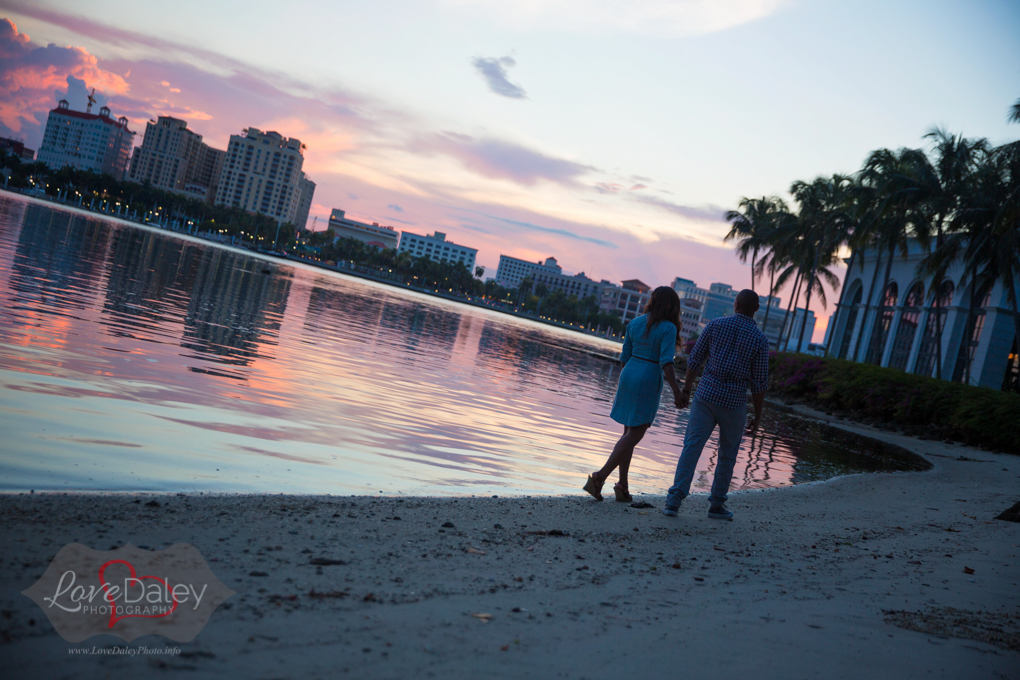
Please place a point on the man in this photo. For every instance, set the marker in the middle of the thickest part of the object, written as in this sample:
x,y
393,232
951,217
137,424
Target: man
x,y
738,358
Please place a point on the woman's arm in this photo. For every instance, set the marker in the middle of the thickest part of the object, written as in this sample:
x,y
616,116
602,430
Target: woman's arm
x,y
667,350
670,374
627,347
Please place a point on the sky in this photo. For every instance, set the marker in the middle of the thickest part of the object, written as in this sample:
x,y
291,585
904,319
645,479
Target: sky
x,y
610,135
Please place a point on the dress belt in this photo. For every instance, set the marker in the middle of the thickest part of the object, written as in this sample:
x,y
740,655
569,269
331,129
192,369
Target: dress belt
x,y
651,361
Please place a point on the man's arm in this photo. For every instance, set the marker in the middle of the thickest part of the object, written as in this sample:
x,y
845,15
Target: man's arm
x,y
759,383
759,402
694,361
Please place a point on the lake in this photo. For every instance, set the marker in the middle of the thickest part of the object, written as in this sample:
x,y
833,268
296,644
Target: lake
x,y
134,359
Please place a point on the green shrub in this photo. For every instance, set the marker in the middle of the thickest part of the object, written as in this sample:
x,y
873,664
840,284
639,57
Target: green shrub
x,y
921,406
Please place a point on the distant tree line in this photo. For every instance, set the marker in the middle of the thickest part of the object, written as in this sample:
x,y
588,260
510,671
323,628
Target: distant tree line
x,y
144,201
148,203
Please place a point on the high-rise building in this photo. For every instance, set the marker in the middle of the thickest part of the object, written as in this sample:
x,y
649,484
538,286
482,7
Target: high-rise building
x,y
437,248
372,234
174,158
86,141
304,203
262,174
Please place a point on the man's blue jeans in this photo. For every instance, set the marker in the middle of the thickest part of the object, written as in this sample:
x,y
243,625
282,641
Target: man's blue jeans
x,y
703,419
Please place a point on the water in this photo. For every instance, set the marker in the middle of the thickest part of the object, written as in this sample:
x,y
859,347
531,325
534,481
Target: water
x,y
138,360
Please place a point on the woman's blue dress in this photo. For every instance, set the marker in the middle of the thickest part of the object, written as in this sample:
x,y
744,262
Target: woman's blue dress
x,y
643,357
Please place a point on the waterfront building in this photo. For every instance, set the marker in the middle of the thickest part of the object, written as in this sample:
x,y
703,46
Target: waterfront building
x,y
262,174
511,271
686,288
372,234
628,300
174,158
17,148
690,318
437,248
908,326
778,330
86,141
304,203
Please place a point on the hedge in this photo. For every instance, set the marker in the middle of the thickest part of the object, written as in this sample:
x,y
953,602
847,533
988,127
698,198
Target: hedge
x,y
929,408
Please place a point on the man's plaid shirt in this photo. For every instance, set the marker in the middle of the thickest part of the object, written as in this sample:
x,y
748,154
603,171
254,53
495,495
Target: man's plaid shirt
x,y
738,358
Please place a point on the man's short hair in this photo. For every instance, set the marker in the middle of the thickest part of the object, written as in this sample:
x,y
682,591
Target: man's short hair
x,y
748,301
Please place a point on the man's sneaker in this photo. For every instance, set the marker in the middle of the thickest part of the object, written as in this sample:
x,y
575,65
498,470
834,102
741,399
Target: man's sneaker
x,y
670,510
720,512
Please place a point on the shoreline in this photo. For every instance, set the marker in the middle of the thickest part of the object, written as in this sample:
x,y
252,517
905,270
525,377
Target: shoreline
x,y
861,576
294,260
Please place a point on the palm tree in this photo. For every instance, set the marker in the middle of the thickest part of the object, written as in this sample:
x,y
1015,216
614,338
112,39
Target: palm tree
x,y
826,225
941,186
897,212
523,288
754,225
1014,113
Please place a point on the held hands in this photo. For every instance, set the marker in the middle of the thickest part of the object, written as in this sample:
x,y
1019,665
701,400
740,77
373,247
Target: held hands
x,y
682,400
752,425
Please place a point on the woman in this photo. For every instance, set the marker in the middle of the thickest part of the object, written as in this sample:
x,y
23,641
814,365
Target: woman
x,y
647,355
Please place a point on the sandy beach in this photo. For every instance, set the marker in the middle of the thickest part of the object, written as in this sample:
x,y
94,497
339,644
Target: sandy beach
x,y
866,576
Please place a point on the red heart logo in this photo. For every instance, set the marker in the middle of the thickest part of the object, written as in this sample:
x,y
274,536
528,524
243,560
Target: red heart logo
x,y
113,610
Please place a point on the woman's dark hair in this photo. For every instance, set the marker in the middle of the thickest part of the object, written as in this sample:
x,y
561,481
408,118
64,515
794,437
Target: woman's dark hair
x,y
663,306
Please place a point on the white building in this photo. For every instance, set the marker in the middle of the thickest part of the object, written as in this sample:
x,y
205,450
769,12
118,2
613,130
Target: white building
x,y
628,300
86,141
372,234
511,271
262,174
174,158
898,326
437,248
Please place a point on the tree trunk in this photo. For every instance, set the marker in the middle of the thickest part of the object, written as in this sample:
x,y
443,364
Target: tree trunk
x,y
937,284
768,303
807,304
842,294
754,258
867,306
880,349
787,323
968,330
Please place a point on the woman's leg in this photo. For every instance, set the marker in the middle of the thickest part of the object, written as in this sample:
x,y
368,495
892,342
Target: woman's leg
x,y
622,453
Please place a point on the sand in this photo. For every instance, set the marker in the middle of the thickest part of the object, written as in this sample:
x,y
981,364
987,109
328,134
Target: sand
x,y
863,576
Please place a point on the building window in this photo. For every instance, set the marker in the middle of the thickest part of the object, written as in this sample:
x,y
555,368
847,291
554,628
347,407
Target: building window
x,y
880,333
931,343
965,358
907,328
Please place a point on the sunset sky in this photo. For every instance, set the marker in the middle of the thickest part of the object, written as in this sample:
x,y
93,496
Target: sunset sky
x,y
611,135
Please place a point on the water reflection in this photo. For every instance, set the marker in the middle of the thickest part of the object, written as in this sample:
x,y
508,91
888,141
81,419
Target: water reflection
x,y
136,359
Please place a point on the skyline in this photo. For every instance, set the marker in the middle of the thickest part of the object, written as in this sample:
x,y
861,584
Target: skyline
x,y
611,141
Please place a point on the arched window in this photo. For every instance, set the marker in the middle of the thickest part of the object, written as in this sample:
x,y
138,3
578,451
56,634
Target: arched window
x,y
965,358
931,343
851,321
905,332
880,333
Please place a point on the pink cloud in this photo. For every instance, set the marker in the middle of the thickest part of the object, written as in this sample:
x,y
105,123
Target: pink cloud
x,y
31,74
340,124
